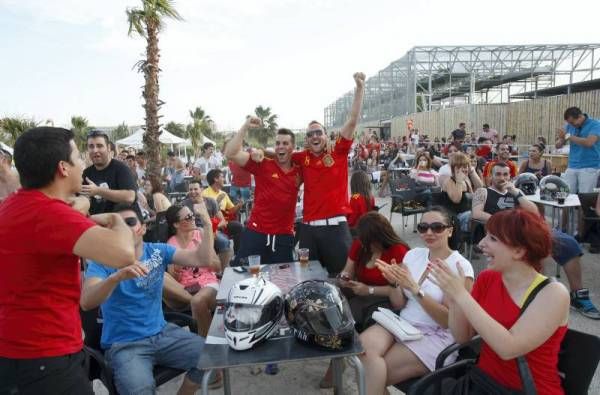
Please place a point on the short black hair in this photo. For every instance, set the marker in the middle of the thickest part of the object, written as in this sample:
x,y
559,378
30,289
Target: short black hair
x,y
141,154
171,154
572,112
481,139
6,154
98,133
212,175
207,145
120,207
486,125
132,157
462,124
37,153
287,132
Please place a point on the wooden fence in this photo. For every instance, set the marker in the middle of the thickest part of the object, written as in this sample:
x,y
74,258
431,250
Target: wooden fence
x,y
526,119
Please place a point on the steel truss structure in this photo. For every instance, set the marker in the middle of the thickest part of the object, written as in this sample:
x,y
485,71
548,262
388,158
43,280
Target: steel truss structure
x,y
429,78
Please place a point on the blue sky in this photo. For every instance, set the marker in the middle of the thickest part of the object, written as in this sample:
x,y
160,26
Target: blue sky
x,y
73,57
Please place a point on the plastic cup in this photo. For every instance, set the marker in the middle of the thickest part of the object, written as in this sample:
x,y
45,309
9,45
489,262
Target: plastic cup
x,y
303,254
254,264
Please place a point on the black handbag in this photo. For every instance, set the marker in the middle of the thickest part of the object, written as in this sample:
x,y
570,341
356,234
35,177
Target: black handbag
x,y
477,382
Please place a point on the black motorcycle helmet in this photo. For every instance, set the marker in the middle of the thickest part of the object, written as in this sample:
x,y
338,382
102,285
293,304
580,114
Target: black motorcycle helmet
x,y
527,182
319,315
551,186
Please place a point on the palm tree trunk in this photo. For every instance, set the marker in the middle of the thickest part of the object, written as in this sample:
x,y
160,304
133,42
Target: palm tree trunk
x,y
151,105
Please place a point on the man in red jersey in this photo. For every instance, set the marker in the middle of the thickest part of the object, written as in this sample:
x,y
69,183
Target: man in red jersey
x,y
270,229
41,237
325,173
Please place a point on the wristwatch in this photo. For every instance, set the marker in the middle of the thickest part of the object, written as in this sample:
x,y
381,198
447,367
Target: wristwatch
x,y
371,290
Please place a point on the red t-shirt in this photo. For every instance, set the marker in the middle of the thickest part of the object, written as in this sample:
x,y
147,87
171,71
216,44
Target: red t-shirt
x,y
489,291
275,194
487,169
325,188
40,281
358,205
372,276
239,177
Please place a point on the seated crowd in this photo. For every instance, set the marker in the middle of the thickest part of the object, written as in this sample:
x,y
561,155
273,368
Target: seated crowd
x,y
129,274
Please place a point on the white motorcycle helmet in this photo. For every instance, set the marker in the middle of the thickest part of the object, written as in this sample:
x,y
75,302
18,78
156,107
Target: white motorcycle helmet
x,y
551,186
252,313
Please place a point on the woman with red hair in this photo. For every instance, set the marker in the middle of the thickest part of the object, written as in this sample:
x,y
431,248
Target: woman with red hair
x,y
515,245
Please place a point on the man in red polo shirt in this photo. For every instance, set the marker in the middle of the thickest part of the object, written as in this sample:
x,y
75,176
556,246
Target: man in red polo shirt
x,y
270,229
41,237
325,173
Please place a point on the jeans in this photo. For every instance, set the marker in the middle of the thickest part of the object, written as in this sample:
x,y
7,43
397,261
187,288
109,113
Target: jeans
x,y
236,192
464,220
133,362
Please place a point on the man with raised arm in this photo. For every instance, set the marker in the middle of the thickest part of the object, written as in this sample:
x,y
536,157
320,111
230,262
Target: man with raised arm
x,y
325,174
42,235
135,335
270,229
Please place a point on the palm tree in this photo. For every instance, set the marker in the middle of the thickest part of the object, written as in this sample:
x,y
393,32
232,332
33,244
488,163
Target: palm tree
x,y
80,128
178,129
148,21
269,121
203,121
12,128
194,133
120,132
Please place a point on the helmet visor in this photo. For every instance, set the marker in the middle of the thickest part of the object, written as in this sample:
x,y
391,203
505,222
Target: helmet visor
x,y
243,317
329,320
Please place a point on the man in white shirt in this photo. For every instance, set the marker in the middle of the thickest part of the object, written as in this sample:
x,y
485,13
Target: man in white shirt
x,y
207,161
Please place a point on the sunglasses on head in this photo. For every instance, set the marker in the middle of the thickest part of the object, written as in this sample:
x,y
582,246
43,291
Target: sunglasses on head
x,y
131,221
188,217
97,133
436,227
316,132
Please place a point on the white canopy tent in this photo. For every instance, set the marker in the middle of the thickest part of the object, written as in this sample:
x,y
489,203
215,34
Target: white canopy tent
x,y
136,139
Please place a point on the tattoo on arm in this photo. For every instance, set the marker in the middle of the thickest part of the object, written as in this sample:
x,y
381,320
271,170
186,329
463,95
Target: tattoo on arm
x,y
480,197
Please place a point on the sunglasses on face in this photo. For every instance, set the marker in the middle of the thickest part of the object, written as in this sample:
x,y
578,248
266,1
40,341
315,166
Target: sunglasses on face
x,y
313,133
436,227
131,221
188,217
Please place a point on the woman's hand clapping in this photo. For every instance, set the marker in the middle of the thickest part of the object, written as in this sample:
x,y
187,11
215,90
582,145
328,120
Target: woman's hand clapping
x,y
396,274
452,284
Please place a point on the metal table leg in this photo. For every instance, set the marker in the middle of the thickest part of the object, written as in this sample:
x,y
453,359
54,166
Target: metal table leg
x,y
205,379
338,369
226,382
360,374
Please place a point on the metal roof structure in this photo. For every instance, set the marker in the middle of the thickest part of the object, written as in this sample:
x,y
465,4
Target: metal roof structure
x,y
433,77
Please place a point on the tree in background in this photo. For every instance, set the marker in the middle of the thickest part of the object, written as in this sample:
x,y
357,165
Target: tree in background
x,y
203,121
269,125
148,21
12,127
80,128
120,132
178,129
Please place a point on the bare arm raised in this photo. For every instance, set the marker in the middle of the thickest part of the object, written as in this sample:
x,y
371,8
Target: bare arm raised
x,y
350,125
233,149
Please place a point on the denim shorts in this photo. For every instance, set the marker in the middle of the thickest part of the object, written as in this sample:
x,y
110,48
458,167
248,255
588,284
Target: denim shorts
x,y
133,362
564,247
221,242
236,192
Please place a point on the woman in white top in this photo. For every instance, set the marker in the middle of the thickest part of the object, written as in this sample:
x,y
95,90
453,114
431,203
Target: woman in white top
x,y
387,360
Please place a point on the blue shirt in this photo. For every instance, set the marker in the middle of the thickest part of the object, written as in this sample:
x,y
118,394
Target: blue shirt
x,y
134,309
581,157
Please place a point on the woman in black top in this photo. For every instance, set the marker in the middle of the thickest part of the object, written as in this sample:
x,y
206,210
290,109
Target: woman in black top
x,y
535,164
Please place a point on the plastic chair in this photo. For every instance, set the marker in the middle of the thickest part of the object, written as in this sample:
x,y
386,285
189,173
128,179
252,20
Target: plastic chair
x,y
99,368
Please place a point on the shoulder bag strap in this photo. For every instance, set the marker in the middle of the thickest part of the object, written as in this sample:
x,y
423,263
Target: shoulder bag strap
x,y
524,371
